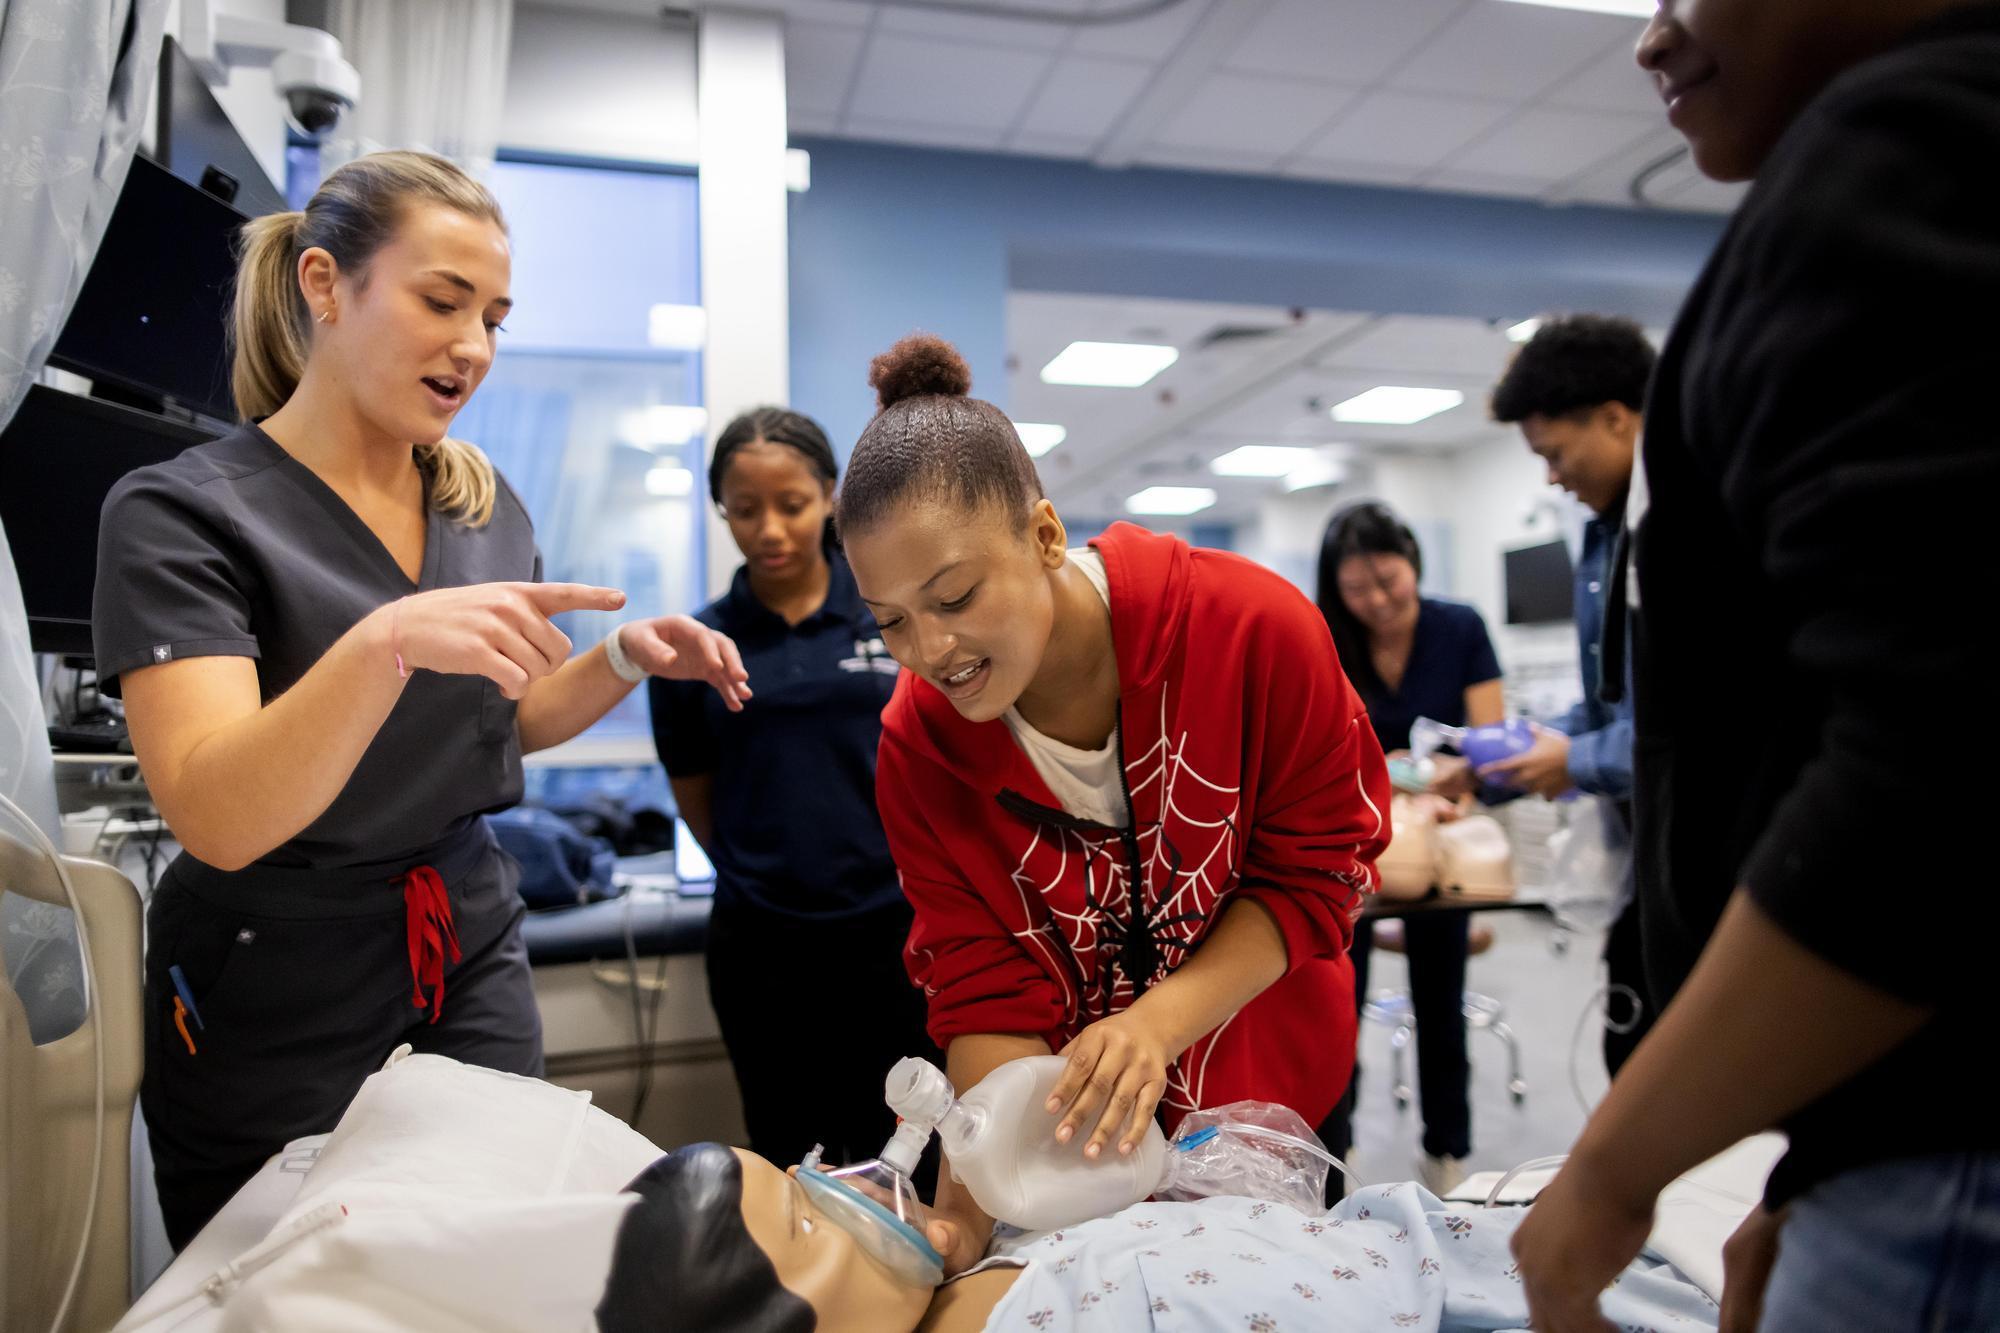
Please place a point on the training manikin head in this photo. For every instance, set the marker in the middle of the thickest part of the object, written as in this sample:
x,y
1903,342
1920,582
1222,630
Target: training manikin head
x,y
722,1240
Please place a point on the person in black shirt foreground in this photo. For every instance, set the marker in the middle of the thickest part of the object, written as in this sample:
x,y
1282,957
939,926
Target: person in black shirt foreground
x,y
1797,685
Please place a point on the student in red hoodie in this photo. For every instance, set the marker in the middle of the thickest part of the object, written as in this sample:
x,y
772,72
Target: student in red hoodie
x,y
1131,796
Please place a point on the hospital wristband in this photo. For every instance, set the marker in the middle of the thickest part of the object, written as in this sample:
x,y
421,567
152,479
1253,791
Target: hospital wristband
x,y
622,666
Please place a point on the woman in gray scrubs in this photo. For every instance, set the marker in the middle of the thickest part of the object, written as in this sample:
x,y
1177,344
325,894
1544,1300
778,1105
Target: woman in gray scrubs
x,y
334,645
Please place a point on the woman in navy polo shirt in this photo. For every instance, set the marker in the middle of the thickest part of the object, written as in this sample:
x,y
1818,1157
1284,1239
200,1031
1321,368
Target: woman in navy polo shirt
x,y
805,945
1409,657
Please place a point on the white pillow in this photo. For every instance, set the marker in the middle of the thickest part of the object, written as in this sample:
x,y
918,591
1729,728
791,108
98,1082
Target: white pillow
x,y
532,1266
426,1128
448,1198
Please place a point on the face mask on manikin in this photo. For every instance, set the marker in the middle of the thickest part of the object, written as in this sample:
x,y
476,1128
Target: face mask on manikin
x,y
875,1203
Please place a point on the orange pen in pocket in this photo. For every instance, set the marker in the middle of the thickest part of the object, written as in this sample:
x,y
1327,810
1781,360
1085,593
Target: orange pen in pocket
x,y
181,1022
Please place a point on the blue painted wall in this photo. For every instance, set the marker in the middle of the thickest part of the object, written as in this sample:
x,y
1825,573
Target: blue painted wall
x,y
891,239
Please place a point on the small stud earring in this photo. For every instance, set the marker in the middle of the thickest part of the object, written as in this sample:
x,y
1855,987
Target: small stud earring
x,y
326,315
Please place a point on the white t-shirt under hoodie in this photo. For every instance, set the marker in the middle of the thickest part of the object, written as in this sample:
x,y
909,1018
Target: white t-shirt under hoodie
x,y
1086,783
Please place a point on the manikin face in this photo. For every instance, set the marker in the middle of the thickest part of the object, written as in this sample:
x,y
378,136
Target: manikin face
x,y
1588,453
413,335
776,508
1380,591
1736,73
965,600
820,1262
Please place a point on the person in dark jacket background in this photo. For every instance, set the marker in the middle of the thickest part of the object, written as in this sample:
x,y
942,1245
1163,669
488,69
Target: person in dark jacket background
x,y
1795,682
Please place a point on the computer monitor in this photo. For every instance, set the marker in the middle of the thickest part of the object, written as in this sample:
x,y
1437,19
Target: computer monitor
x,y
1540,585
196,135
59,458
153,313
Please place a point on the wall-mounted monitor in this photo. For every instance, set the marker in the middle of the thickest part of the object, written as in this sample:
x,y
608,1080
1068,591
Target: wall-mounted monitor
x,y
1540,585
59,457
153,313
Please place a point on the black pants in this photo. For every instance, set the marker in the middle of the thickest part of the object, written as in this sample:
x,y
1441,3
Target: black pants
x,y
298,1007
1436,949
1625,966
814,1015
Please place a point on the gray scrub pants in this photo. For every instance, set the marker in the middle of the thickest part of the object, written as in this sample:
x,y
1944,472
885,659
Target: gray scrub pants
x,y
303,984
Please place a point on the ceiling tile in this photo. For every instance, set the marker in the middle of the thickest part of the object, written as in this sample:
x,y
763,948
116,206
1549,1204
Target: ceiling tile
x,y
1354,41
929,134
1152,38
1235,161
1614,82
1050,145
1028,34
1510,51
1405,129
801,121
1253,114
1552,146
1416,345
923,83
819,65
846,13
1085,96
1463,180
1609,180
1353,173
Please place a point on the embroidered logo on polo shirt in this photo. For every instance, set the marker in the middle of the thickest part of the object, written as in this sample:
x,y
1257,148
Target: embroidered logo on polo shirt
x,y
163,652
870,655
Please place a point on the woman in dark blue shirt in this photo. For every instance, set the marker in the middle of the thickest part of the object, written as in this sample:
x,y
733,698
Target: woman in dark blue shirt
x,y
1410,657
805,945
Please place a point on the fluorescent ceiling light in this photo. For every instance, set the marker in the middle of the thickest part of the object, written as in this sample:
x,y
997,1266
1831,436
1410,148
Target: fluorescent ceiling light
x,y
1038,437
662,426
1319,472
1638,9
1108,365
1523,331
1261,460
679,326
1392,405
670,480
1171,500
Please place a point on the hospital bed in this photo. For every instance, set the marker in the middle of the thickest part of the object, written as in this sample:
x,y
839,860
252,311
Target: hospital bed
x,y
1696,1215
52,1143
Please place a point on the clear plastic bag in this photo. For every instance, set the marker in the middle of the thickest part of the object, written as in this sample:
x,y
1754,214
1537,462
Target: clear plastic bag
x,y
1251,1150
1590,864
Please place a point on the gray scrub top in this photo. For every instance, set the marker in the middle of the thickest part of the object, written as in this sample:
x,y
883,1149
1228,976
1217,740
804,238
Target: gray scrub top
x,y
237,549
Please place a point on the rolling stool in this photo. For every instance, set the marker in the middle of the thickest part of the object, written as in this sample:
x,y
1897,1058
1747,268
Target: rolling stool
x,y
1391,1008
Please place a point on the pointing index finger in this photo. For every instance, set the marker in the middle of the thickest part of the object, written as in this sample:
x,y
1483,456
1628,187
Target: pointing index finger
x,y
553,598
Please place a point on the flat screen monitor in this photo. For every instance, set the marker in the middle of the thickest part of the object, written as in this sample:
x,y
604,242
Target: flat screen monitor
x,y
59,458
1540,588
154,309
196,134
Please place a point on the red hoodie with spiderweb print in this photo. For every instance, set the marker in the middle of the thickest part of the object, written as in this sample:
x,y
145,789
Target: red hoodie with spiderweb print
x,y
1251,769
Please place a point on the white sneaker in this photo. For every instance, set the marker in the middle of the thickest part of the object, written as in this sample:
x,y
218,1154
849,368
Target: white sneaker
x,y
1440,1175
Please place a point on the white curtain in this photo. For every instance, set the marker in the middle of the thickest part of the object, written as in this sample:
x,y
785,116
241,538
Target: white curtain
x,y
75,80
433,76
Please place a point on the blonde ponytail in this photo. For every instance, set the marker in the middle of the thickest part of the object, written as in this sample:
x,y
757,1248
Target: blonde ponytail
x,y
351,216
270,325
462,479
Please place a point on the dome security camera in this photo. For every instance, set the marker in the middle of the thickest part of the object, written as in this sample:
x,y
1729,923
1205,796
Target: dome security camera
x,y
307,68
318,89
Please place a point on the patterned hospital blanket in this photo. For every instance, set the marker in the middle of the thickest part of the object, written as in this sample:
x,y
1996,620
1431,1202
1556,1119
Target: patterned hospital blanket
x,y
1389,1257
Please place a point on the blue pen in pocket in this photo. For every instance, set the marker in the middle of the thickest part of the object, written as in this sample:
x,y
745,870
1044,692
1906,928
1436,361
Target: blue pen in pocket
x,y
187,996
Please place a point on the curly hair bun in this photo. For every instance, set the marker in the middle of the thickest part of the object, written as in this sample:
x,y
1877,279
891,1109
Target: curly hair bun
x,y
920,364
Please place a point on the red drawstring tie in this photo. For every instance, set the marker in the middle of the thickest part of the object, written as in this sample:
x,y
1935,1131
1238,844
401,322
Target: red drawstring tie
x,y
431,932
